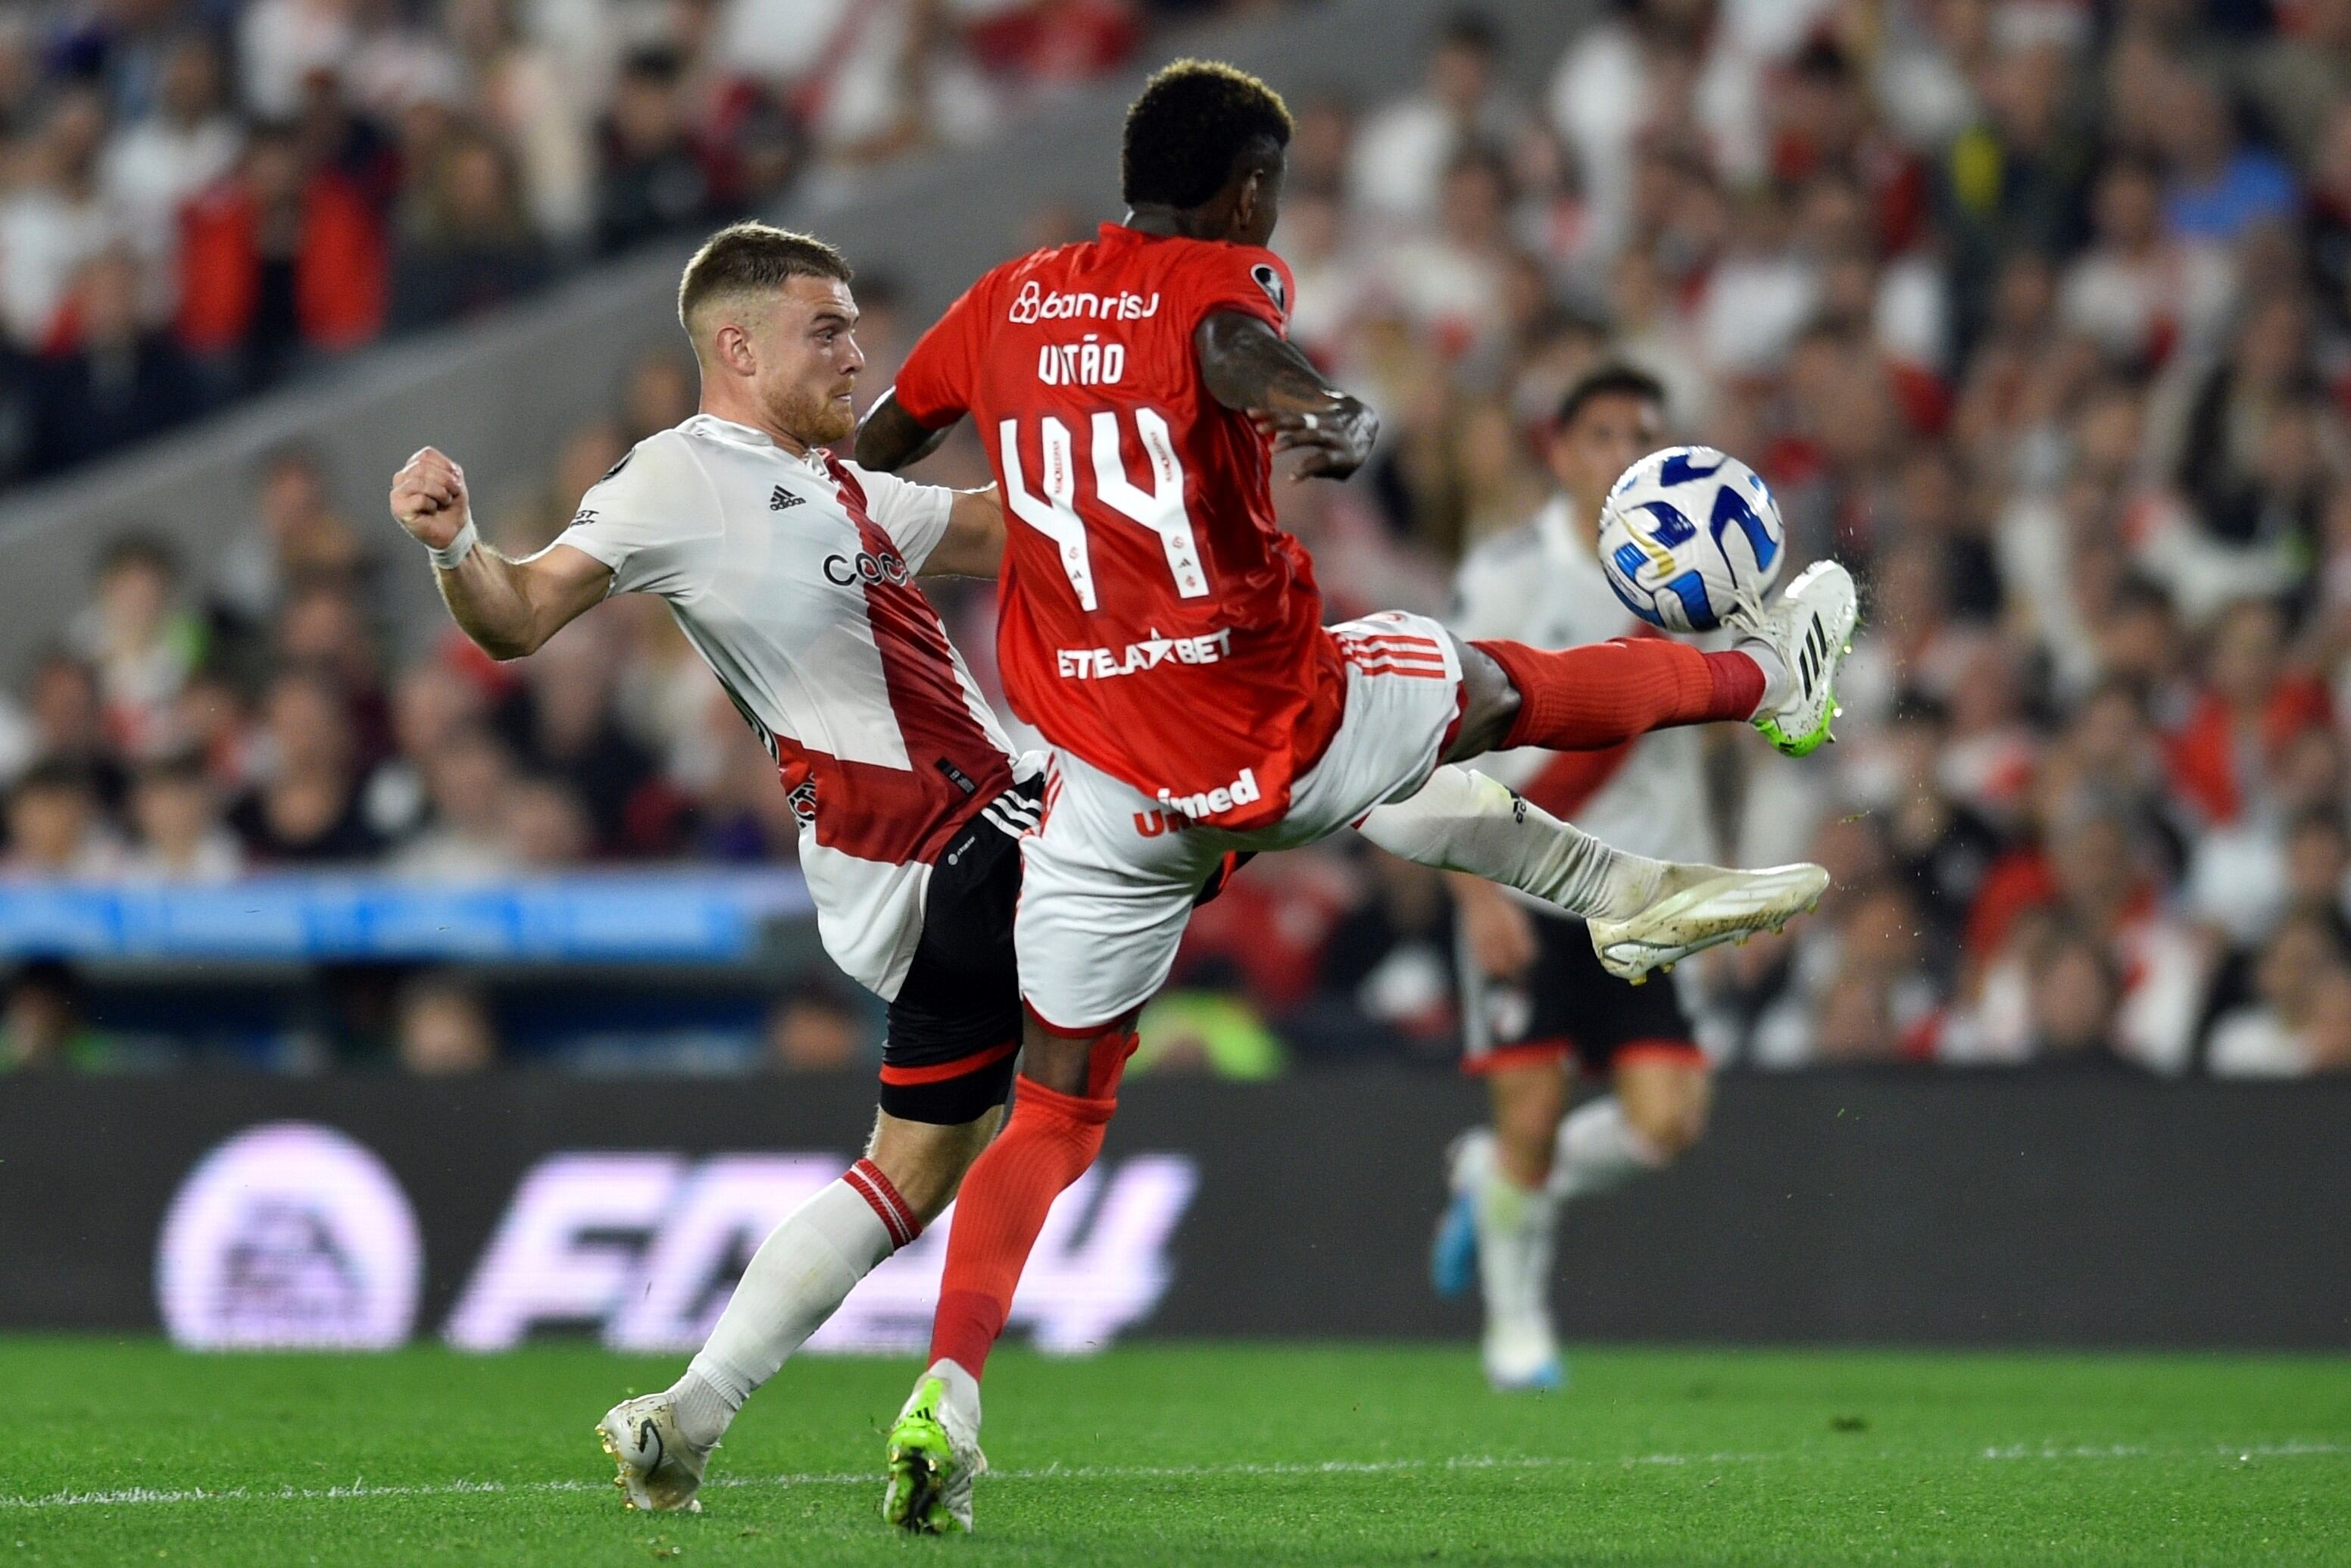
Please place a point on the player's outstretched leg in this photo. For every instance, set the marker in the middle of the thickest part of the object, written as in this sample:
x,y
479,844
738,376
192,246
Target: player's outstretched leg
x,y
1781,678
1062,1102
799,1276
1644,914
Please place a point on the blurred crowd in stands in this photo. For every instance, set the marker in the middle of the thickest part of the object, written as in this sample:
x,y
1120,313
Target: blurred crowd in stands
x,y
2036,313
199,198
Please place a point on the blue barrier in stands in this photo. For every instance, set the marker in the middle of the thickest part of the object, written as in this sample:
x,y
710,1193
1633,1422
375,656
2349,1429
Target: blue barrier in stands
x,y
658,917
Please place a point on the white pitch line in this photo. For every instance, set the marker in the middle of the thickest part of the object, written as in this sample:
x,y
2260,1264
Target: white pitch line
x,y
359,1491
2139,1451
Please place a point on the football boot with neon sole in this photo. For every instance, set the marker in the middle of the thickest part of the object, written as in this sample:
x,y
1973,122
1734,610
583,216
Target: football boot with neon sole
x,y
933,1454
1811,629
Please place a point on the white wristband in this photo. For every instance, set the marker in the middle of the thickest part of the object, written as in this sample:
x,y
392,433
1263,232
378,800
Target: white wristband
x,y
449,557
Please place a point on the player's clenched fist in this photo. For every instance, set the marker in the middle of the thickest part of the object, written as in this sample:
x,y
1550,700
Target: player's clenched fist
x,y
428,498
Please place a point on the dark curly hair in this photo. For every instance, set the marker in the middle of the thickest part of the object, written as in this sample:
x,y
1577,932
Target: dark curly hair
x,y
1608,381
1192,124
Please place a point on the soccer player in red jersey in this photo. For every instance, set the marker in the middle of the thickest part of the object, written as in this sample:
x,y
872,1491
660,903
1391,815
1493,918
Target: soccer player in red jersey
x,y
1164,634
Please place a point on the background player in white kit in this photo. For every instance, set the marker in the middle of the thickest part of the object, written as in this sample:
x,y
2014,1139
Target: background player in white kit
x,y
1537,1008
791,573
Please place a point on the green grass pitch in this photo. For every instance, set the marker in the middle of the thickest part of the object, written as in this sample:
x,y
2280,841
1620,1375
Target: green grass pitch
x,y
128,1453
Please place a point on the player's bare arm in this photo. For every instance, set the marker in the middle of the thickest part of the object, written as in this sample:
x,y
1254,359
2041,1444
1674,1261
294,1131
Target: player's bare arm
x,y
509,608
1250,367
973,545
889,438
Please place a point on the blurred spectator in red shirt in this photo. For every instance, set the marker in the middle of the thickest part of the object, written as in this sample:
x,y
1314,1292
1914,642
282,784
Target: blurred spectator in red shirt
x,y
2250,705
284,257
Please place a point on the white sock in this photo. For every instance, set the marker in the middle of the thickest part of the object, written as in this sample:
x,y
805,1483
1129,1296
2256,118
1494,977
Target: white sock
x,y
1516,1228
1599,1149
1463,821
1516,1235
800,1274
1779,683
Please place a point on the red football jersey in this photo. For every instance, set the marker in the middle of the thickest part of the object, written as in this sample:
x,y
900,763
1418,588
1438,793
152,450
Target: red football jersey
x,y
1155,620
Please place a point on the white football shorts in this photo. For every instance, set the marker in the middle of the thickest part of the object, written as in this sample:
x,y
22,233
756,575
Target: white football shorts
x,y
1110,876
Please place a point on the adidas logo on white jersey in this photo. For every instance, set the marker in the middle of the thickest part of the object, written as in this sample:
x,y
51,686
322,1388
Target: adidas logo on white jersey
x,y
782,498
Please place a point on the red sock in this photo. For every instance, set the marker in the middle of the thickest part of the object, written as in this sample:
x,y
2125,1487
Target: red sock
x,y
1049,1143
1584,699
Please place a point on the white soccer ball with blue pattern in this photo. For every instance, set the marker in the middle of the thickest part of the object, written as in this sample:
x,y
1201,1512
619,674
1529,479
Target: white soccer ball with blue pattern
x,y
1688,535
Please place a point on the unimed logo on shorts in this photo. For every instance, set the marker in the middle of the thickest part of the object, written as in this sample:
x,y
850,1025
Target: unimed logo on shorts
x,y
639,1247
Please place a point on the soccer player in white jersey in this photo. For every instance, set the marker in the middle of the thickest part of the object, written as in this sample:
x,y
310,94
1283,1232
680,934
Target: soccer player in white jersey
x,y
1538,1008
791,572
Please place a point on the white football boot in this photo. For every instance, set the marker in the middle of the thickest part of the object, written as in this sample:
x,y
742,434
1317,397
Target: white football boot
x,y
1698,906
935,1454
660,1471
1811,629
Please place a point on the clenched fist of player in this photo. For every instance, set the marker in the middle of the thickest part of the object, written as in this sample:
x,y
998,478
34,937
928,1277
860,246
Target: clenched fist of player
x,y
428,497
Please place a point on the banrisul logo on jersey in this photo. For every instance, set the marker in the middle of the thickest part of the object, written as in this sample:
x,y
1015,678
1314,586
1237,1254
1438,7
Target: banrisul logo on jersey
x,y
1033,304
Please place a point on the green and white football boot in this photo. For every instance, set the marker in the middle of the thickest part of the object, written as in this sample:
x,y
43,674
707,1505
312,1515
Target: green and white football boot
x,y
1811,629
935,1454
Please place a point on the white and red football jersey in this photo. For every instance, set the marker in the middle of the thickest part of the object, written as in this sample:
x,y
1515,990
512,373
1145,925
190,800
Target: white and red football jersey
x,y
1155,621
1540,584
793,577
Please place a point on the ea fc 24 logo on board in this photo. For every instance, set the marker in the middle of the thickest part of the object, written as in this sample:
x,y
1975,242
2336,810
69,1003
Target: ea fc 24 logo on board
x,y
296,1235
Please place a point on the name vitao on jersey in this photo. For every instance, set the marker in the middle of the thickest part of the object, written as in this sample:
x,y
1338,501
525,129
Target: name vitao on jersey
x,y
1157,623
793,578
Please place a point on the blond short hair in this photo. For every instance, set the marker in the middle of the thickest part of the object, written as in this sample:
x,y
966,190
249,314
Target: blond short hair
x,y
750,258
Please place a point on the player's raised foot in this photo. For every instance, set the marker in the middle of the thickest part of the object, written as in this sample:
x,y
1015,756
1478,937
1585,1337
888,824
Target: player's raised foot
x,y
1701,907
660,1471
935,1454
1811,628
1453,1258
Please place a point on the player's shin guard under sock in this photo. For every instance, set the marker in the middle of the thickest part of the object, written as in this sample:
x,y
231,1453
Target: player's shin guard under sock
x,y
1463,821
1048,1143
1599,1149
1583,700
796,1281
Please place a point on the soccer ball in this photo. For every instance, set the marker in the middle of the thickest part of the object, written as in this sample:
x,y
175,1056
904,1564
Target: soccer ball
x,y
1689,534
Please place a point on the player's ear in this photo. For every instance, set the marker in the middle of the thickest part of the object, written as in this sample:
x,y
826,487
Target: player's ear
x,y
731,346
1245,202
